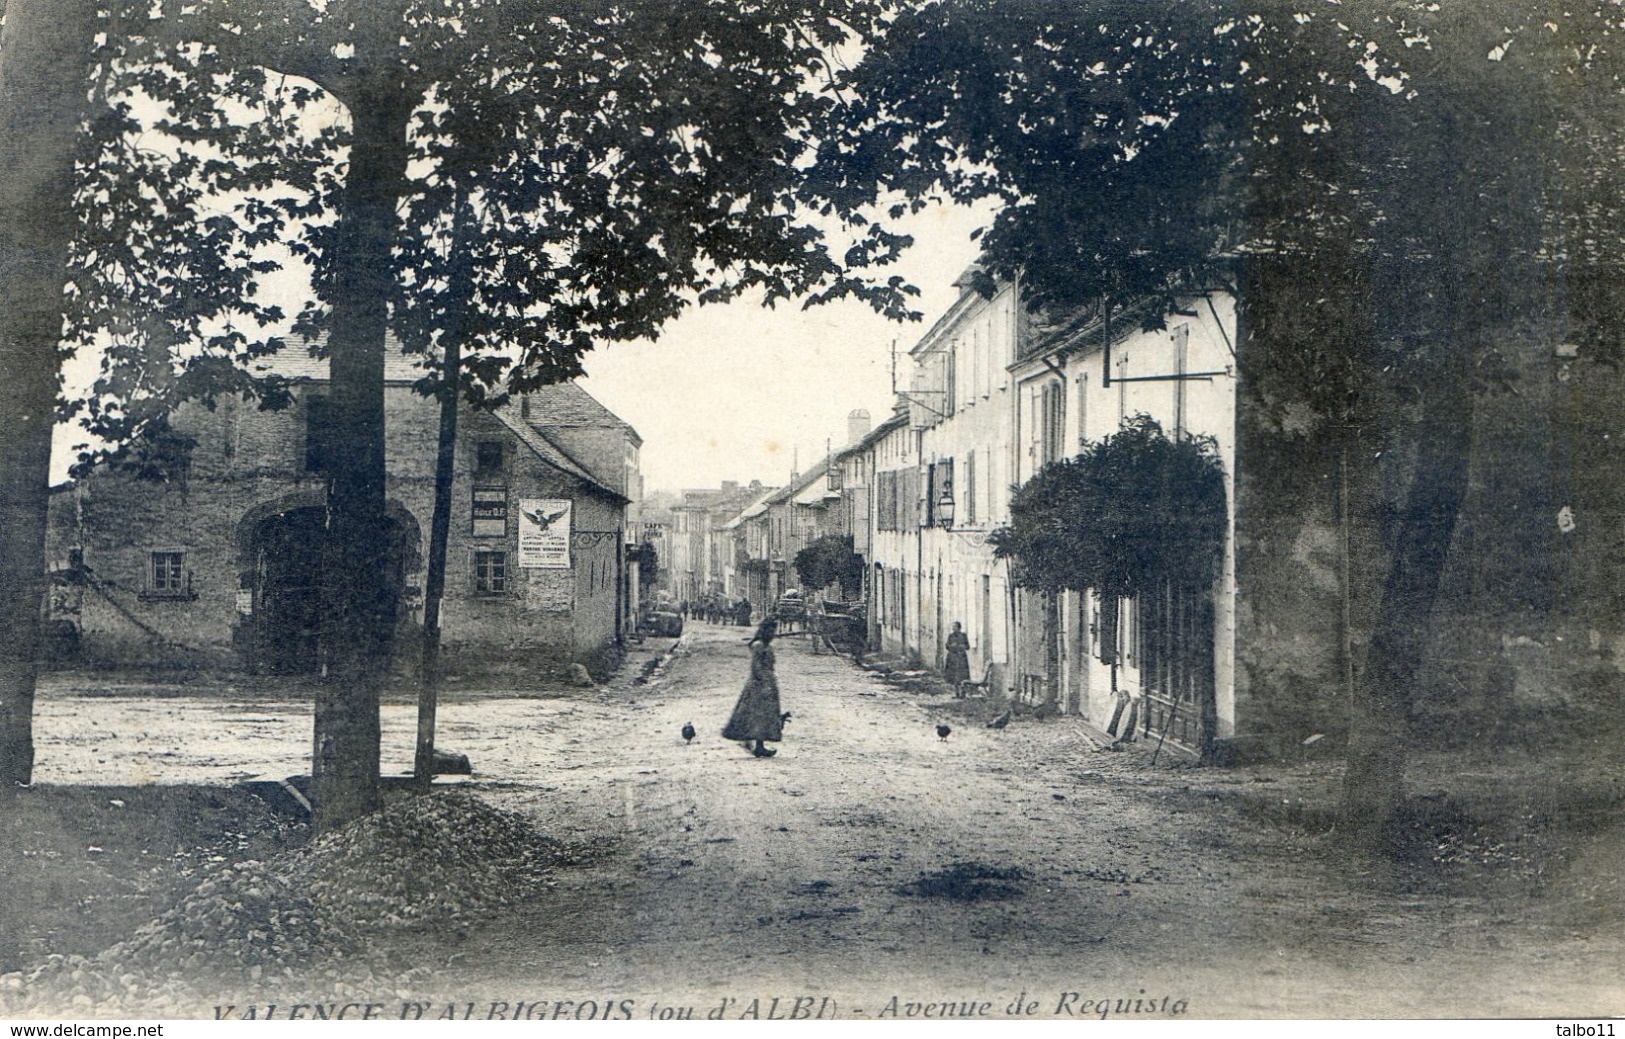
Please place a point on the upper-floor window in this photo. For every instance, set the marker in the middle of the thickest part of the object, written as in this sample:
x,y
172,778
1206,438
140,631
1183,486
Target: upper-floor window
x,y
488,456
1182,345
969,514
938,492
168,571
1083,409
490,571
1052,422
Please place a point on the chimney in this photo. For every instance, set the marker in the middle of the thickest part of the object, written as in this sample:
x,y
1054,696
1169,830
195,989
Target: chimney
x,y
858,426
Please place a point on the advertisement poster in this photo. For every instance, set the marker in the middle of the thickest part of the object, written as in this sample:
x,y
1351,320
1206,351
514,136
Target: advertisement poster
x,y
544,534
490,512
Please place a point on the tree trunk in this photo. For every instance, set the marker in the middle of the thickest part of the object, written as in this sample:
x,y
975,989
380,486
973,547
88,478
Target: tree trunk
x,y
1379,742
359,601
435,585
458,293
44,60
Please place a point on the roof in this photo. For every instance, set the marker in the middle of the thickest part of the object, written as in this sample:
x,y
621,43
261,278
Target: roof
x,y
564,405
296,360
968,297
898,420
796,488
548,452
754,509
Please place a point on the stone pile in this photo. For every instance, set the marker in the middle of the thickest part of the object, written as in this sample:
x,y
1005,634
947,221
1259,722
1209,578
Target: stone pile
x,y
305,918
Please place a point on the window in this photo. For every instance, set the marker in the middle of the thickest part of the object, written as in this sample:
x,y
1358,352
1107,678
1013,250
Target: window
x,y
1083,409
1052,420
951,368
1182,343
886,500
1107,633
166,575
490,571
939,487
970,489
489,456
1121,362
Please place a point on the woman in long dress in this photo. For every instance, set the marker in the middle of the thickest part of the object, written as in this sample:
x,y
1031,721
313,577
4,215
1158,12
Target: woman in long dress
x,y
756,716
956,669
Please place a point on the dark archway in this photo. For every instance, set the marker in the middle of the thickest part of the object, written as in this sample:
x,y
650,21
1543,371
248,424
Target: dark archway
x,y
279,554
285,582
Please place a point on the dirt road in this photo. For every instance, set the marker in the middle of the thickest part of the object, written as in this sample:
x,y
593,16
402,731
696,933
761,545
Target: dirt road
x,y
872,869
871,859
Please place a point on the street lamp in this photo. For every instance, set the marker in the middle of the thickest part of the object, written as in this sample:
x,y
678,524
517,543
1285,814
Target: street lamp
x,y
945,510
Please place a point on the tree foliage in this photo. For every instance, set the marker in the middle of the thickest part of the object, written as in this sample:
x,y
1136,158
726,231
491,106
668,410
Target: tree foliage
x,y
1398,193
831,560
578,174
524,181
1430,156
1130,512
647,559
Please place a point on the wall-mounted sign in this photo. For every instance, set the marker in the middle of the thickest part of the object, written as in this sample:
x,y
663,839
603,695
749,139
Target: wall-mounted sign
x,y
544,533
490,512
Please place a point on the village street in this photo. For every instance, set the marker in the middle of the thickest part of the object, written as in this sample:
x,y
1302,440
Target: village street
x,y
869,859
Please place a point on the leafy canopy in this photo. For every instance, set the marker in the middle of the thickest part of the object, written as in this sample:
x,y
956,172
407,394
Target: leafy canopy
x,y
578,173
831,560
1405,180
1128,513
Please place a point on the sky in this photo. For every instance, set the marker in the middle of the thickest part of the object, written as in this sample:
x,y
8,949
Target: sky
x,y
738,391
735,391
741,392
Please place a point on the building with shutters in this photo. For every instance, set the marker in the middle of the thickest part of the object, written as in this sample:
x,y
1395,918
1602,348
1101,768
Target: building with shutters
x,y
937,478
994,395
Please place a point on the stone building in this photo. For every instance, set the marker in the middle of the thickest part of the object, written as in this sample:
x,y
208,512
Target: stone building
x,y
219,564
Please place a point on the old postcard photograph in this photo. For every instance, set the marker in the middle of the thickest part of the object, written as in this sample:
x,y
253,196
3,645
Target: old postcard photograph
x,y
822,510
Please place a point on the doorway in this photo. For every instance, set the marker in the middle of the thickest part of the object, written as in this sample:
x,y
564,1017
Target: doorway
x,y
283,577
286,592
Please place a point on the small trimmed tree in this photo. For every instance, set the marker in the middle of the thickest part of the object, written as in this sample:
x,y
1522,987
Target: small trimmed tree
x,y
831,560
1129,513
647,558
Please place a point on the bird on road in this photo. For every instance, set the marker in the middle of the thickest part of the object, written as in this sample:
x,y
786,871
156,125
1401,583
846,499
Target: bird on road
x,y
688,732
1000,722
942,732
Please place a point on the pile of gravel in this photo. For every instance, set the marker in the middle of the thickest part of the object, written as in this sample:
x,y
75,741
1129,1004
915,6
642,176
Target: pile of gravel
x,y
303,918
428,862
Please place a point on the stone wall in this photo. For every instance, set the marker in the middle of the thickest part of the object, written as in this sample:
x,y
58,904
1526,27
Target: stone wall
x,y
248,465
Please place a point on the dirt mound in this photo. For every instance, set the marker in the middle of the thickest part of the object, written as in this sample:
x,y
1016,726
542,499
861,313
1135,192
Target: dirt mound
x,y
302,918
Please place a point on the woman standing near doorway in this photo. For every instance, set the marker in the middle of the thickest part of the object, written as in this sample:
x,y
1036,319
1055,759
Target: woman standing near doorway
x,y
956,669
756,715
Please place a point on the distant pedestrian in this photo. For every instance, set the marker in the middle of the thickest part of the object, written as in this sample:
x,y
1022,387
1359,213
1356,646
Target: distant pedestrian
x,y
756,716
956,669
742,614
682,609
1131,703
